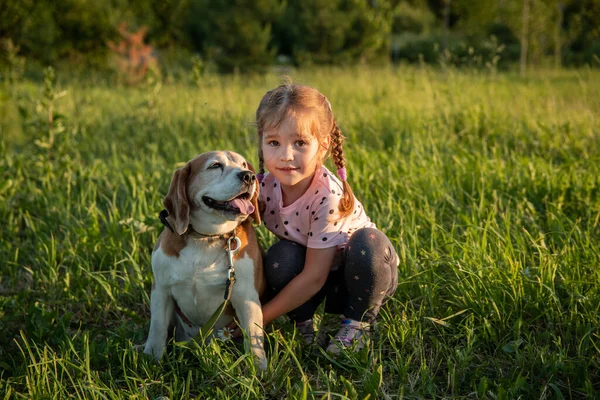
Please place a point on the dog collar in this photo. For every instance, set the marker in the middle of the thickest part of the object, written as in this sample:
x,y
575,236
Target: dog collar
x,y
163,218
223,236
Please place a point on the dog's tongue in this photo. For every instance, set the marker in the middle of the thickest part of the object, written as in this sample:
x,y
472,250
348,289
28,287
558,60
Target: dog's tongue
x,y
244,205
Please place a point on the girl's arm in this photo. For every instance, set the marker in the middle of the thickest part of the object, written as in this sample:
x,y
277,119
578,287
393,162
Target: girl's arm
x,y
302,287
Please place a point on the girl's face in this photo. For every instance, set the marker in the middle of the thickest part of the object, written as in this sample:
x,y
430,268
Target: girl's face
x,y
291,153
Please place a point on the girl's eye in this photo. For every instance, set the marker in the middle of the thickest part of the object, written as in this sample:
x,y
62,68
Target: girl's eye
x,y
300,143
273,143
215,165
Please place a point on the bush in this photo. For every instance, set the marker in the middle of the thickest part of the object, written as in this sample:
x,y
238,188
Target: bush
x,y
411,19
415,48
50,30
460,51
588,53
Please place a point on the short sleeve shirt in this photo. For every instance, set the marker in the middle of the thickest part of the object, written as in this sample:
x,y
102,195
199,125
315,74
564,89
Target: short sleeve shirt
x,y
313,220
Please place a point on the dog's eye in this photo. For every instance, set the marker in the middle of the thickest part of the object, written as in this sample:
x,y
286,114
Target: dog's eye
x,y
244,165
215,165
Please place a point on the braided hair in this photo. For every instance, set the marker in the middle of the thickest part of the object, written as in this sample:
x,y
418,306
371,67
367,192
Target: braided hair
x,y
347,202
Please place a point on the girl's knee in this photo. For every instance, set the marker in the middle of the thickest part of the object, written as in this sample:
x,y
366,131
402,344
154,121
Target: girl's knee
x,y
368,238
283,261
285,250
365,235
371,242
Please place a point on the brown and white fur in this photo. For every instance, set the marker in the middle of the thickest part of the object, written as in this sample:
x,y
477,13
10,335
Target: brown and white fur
x,y
213,194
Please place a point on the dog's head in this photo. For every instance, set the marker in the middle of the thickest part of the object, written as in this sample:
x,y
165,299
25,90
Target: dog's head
x,y
214,192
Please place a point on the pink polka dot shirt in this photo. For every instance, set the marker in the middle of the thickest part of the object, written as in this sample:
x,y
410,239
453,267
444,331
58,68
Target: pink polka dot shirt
x,y
313,220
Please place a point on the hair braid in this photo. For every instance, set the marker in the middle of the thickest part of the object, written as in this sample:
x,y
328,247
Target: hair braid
x,y
261,161
347,202
261,174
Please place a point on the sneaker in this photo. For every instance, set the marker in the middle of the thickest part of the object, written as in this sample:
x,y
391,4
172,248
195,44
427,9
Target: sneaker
x,y
351,332
307,330
329,324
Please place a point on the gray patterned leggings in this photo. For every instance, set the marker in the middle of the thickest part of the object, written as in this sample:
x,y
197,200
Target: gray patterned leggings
x,y
367,275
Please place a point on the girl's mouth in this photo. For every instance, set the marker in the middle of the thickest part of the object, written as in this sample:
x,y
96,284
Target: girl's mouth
x,y
287,169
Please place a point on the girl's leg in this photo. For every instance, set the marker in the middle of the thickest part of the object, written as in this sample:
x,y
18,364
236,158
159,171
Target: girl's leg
x,y
370,273
284,261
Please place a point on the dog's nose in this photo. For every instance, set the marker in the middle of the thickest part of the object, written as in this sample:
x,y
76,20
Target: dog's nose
x,y
247,177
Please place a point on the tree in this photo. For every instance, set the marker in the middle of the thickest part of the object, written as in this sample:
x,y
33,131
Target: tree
x,y
581,40
235,34
48,30
336,31
412,18
560,12
163,17
524,37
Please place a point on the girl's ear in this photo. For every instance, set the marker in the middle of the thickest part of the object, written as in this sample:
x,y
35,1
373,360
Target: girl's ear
x,y
325,146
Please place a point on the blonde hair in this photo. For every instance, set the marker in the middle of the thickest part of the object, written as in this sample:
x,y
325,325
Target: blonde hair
x,y
305,102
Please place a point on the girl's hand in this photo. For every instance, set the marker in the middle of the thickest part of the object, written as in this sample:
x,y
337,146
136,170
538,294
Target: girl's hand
x,y
304,286
236,332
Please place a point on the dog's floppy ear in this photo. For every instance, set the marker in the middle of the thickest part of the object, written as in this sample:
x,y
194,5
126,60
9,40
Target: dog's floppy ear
x,y
254,200
176,202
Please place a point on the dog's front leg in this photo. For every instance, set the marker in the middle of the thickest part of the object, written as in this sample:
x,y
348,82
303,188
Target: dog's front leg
x,y
249,312
161,313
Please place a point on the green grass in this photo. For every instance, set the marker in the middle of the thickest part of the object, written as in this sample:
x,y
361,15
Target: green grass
x,y
488,186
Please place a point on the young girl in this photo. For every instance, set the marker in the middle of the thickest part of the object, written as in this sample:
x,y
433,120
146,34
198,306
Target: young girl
x,y
328,248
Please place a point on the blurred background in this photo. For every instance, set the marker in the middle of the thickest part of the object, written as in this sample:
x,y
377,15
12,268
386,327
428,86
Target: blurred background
x,y
133,36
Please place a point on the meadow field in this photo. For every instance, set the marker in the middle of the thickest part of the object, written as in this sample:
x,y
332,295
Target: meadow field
x,y
487,184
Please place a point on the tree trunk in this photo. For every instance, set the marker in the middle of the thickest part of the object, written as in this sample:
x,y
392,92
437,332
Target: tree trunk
x,y
557,31
524,37
446,22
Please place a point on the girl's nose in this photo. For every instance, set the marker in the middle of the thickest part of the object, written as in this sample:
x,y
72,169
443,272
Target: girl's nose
x,y
287,153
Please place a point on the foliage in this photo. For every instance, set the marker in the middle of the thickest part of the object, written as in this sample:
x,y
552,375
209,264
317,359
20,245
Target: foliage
x,y
459,52
487,184
50,30
583,32
243,35
11,63
369,38
335,32
165,20
235,34
407,18
133,57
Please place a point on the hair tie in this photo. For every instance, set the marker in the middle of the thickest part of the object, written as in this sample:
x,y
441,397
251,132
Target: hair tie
x,y
260,177
342,174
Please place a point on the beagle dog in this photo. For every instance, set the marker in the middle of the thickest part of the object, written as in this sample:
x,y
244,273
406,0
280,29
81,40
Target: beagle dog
x,y
212,198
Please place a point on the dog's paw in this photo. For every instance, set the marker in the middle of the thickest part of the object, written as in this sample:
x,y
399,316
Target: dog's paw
x,y
261,363
154,352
